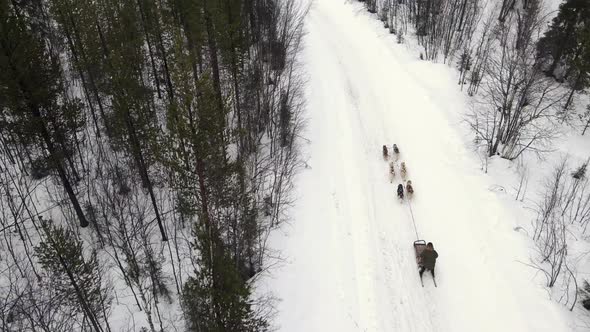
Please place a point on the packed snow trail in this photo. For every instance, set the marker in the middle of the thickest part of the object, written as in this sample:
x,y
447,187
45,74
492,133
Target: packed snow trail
x,y
351,263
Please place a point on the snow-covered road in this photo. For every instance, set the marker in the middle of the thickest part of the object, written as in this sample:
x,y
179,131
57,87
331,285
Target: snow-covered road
x,y
351,264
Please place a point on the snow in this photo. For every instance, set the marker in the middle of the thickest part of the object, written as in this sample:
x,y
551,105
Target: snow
x,y
350,261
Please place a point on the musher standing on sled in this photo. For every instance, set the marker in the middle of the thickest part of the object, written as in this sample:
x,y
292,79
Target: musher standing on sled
x,y
428,259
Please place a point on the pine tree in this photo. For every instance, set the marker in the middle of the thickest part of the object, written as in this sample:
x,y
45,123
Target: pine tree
x,y
566,42
75,279
217,299
38,110
133,123
78,23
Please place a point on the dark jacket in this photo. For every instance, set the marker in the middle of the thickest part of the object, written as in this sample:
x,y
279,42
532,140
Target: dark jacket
x,y
400,190
428,258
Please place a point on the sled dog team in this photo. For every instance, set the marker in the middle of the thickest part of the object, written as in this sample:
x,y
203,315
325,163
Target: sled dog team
x,y
403,171
425,254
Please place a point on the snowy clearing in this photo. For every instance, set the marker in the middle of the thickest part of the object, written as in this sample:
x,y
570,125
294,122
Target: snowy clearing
x,y
350,257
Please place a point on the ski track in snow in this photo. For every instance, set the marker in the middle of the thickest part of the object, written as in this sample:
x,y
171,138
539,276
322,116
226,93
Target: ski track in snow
x,y
352,263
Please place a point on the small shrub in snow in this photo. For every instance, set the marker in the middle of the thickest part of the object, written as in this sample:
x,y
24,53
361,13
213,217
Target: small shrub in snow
x,y
580,173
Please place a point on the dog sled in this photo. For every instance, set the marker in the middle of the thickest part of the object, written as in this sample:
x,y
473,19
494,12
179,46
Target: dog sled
x,y
419,247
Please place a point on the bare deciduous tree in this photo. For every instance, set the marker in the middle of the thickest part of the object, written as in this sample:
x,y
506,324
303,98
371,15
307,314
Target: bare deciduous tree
x,y
518,106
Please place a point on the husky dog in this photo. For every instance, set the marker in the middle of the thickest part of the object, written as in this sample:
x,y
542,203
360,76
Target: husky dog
x,y
395,152
400,191
403,171
385,153
391,171
409,188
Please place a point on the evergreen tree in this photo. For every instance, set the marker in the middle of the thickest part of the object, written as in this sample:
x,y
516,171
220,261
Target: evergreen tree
x,y
566,43
133,123
78,23
217,299
75,279
36,109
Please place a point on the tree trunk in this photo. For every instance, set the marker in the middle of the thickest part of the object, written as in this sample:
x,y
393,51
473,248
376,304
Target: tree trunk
x,y
60,169
53,154
138,154
214,62
90,76
234,67
149,45
81,73
460,27
570,97
586,127
162,49
507,5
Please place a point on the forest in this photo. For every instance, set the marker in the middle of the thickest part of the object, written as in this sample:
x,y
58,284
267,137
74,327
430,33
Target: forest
x,y
148,148
147,151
